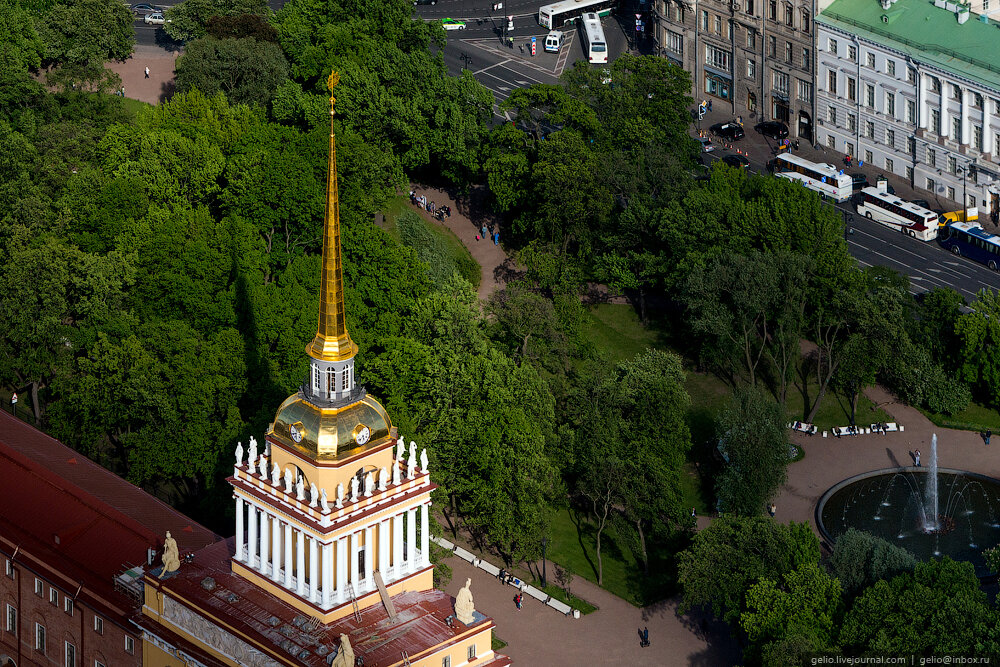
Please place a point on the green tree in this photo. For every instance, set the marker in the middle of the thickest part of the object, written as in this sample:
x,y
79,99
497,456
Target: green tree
x,y
754,443
189,20
806,603
978,333
81,35
526,325
248,71
860,559
733,553
938,313
938,608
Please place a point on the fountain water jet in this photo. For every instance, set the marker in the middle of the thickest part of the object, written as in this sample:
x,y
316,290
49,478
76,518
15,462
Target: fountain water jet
x,y
931,491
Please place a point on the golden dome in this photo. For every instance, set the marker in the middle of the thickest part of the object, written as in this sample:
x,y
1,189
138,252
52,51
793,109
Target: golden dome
x,y
330,434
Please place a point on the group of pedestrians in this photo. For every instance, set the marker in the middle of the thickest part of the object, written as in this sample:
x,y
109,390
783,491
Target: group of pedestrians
x,y
439,212
505,577
493,231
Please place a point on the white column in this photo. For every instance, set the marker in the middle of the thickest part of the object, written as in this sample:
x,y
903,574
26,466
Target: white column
x,y
342,568
327,574
354,560
397,545
411,539
966,134
945,116
922,110
288,556
987,119
425,554
383,549
276,549
251,534
313,569
300,564
369,554
240,509
265,519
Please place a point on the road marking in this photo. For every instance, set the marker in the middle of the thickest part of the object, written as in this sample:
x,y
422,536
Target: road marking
x,y
491,67
522,82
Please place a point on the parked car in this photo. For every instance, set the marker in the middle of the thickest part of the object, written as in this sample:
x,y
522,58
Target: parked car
x,y
452,24
155,18
706,144
143,8
772,128
425,2
923,203
737,161
731,130
858,181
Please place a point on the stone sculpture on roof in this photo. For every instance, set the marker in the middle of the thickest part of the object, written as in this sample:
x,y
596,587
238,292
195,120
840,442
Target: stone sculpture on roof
x,y
464,606
171,557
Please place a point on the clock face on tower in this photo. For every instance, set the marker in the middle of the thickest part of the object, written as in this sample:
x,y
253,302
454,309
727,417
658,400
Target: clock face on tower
x,y
362,434
295,432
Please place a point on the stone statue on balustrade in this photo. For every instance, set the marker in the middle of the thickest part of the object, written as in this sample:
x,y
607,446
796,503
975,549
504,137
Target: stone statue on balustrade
x,y
300,488
383,479
413,450
369,485
400,449
288,480
313,494
423,460
354,489
464,606
340,496
262,466
323,502
239,453
275,474
252,459
171,557
411,466
396,466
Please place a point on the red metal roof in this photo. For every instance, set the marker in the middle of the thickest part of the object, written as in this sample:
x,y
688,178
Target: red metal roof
x,y
280,629
77,471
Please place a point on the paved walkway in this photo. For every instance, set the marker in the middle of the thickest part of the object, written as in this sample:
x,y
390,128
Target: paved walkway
x,y
537,635
830,460
160,84
468,214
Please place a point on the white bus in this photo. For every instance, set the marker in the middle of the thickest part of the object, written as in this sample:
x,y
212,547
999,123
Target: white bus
x,y
823,178
594,43
891,211
555,15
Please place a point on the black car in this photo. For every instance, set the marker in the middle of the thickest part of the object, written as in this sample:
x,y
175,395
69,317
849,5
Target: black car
x,y
425,2
923,203
737,161
858,181
772,128
731,130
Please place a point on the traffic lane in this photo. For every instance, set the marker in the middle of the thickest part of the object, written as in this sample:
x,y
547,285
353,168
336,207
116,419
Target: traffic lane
x,y
926,263
460,9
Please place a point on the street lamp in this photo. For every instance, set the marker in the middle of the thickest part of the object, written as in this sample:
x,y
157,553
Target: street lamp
x,y
969,169
465,59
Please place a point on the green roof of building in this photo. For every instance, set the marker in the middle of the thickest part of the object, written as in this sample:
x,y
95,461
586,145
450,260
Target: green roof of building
x,y
925,32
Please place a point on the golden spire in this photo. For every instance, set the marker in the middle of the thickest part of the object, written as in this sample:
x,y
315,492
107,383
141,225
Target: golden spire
x,y
332,342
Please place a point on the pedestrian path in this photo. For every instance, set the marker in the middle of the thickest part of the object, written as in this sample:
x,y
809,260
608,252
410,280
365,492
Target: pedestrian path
x,y
160,84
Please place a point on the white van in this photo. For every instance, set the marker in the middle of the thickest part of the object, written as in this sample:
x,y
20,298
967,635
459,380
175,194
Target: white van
x,y
554,41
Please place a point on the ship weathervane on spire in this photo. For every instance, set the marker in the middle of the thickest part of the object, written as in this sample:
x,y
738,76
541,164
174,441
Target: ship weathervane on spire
x,y
332,342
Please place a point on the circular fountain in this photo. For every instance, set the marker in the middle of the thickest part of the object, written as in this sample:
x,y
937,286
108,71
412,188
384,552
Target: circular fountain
x,y
927,511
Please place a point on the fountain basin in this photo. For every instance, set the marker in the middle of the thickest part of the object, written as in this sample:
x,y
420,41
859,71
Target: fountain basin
x,y
890,504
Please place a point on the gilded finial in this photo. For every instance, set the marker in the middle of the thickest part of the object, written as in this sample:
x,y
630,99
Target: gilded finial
x,y
332,83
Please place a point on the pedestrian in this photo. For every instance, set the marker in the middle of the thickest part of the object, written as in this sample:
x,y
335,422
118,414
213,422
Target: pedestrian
x,y
147,71
710,105
645,636
503,575
772,509
517,601
739,121
916,458
988,434
496,238
483,230
693,512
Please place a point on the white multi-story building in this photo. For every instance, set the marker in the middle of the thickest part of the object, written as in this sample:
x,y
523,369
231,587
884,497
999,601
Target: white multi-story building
x,y
913,88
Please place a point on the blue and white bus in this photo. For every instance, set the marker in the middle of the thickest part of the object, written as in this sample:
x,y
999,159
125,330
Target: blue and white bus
x,y
559,13
594,43
968,239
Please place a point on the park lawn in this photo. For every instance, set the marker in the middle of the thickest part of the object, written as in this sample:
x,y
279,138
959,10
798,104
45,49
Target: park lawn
x,y
835,410
133,107
975,417
444,239
616,332
572,546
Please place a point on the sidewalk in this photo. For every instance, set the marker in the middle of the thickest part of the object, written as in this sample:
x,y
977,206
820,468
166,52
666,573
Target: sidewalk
x,y
160,84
